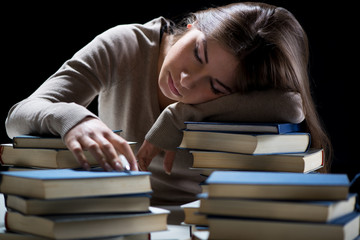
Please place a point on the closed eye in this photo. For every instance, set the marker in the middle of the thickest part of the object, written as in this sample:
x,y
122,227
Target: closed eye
x,y
215,90
196,53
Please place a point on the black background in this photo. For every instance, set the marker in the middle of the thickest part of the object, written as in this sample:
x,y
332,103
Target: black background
x,y
37,38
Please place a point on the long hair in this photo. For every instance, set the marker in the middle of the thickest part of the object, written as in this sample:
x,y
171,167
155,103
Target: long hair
x,y
272,49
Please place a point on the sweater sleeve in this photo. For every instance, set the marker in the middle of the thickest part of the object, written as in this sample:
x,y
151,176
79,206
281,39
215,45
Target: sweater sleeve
x,y
258,106
61,101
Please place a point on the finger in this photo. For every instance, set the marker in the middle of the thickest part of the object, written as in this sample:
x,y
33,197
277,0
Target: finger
x,y
76,149
110,153
169,161
93,147
122,147
145,155
143,164
129,155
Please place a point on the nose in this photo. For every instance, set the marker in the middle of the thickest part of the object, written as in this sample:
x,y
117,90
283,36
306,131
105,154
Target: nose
x,y
186,80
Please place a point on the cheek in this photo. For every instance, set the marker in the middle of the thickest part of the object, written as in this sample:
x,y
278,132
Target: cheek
x,y
199,95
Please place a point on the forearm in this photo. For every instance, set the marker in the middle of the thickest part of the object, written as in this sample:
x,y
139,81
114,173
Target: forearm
x,y
265,106
39,116
60,102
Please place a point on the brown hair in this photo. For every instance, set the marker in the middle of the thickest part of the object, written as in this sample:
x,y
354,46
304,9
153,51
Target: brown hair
x,y
273,52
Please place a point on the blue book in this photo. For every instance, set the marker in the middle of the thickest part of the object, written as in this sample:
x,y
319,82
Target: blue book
x,y
278,185
42,142
70,183
297,142
309,211
88,226
124,203
345,227
276,128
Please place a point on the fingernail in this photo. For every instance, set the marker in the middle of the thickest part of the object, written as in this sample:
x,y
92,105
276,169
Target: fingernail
x,y
85,166
118,166
107,167
168,173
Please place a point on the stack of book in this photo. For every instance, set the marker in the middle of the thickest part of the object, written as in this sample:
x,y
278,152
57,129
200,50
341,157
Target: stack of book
x,y
51,198
79,204
268,147
42,153
276,205
251,147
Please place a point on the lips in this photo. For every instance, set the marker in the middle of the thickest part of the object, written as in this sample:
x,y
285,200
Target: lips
x,y
172,87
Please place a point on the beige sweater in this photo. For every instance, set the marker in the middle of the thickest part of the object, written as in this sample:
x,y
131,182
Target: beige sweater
x,y
120,66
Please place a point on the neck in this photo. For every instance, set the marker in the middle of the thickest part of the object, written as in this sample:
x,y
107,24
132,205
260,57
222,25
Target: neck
x,y
164,48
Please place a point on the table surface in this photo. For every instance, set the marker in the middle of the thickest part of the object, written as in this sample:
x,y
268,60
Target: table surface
x,y
174,232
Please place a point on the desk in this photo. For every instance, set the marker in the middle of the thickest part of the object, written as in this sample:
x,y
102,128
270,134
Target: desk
x,y
174,232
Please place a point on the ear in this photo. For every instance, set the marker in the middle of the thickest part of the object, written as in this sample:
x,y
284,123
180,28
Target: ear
x,y
189,26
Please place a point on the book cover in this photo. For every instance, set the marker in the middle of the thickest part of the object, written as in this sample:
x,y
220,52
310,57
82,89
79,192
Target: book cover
x,y
108,204
9,235
278,185
46,142
88,225
345,227
309,211
41,158
277,128
65,183
191,211
301,162
246,143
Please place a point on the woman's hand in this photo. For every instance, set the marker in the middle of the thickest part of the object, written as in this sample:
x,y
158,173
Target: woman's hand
x,y
148,151
93,135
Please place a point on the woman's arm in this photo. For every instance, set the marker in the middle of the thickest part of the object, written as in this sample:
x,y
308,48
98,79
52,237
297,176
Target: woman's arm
x,y
259,106
262,106
58,106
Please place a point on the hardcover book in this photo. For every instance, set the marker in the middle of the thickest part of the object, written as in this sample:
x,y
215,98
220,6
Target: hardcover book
x,y
278,185
346,228
277,128
109,204
88,226
71,183
246,143
301,162
41,158
310,211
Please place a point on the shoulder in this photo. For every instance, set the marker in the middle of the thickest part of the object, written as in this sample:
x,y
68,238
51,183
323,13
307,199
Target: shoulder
x,y
126,44
135,35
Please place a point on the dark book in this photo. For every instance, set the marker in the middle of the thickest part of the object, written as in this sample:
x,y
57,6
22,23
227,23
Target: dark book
x,y
310,211
278,185
46,142
108,204
41,158
191,211
88,225
8,235
277,128
300,162
345,228
246,143
70,183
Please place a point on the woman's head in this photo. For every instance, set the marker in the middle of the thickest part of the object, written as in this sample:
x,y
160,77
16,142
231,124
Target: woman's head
x,y
268,45
267,49
196,70
268,42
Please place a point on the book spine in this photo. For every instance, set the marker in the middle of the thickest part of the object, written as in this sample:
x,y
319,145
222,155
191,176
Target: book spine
x,y
1,153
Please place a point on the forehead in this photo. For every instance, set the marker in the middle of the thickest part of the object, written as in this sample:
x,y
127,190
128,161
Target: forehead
x,y
222,62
